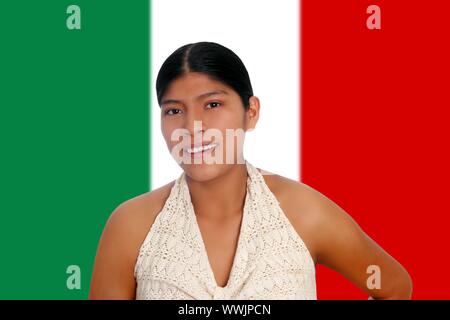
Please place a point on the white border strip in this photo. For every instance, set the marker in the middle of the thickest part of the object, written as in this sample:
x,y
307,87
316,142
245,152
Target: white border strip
x,y
265,35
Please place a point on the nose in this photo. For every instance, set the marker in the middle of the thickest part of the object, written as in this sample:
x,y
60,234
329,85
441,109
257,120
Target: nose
x,y
194,122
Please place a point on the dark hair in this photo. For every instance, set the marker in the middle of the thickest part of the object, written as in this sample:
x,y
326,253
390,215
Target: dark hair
x,y
210,58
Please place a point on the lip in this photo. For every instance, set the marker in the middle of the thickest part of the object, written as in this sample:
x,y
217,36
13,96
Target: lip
x,y
201,153
200,144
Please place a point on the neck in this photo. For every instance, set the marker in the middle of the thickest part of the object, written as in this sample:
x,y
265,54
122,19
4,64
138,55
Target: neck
x,y
222,197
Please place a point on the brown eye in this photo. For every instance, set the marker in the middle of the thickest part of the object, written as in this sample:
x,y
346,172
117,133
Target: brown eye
x,y
172,111
213,105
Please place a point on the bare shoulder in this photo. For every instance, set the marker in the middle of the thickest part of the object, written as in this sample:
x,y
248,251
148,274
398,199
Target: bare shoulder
x,y
335,239
291,192
303,206
118,248
136,215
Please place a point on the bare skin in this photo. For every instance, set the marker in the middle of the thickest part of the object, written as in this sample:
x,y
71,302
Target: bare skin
x,y
332,237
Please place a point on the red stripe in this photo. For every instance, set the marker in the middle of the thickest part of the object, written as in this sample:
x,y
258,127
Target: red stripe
x,y
375,130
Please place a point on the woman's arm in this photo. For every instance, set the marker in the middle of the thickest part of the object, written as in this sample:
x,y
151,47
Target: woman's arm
x,y
118,249
340,244
113,274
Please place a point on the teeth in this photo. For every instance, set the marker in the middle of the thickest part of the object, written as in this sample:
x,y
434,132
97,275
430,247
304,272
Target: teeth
x,y
201,148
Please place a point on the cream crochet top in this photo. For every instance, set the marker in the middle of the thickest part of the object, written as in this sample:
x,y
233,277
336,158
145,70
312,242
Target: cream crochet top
x,y
271,260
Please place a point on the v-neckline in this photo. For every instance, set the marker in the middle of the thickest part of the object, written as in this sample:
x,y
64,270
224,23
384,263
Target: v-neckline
x,y
201,242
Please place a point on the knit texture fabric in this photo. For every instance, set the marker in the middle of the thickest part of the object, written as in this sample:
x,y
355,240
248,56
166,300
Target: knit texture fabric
x,y
271,259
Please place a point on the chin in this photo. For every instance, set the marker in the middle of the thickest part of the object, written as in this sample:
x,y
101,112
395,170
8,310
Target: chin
x,y
204,172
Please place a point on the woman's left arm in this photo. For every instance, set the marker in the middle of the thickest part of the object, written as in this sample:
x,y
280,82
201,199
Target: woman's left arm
x,y
340,244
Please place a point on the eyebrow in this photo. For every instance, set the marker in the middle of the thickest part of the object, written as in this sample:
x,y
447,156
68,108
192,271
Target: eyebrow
x,y
203,95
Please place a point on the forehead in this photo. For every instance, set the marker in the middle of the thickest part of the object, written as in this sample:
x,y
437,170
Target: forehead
x,y
194,84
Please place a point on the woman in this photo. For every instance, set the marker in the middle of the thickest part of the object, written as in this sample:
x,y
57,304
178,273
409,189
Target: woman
x,y
225,229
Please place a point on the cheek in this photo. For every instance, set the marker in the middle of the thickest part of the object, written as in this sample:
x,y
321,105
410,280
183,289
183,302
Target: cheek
x,y
232,120
229,119
167,128
234,123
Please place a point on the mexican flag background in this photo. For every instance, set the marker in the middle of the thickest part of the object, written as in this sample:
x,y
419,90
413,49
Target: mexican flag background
x,y
361,115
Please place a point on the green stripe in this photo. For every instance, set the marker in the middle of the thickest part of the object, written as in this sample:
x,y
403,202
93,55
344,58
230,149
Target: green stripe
x,y
150,91
74,130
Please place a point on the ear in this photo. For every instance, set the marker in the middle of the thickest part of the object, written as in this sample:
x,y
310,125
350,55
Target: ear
x,y
252,113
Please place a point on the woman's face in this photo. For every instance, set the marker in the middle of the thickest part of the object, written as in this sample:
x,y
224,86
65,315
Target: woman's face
x,y
204,122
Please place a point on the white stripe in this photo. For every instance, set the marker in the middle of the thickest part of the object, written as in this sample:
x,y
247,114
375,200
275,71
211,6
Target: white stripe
x,y
265,35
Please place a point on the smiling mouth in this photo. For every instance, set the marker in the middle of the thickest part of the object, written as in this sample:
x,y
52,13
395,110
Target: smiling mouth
x,y
201,149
